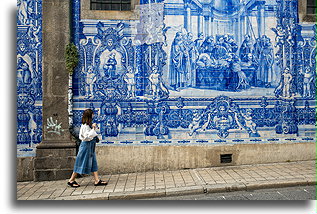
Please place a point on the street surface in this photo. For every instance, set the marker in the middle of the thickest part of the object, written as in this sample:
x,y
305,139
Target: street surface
x,y
288,193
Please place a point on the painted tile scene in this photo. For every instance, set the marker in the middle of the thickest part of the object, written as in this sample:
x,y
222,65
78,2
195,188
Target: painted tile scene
x,y
183,72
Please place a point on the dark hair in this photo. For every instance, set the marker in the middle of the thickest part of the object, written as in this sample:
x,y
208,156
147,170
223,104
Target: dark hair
x,y
87,117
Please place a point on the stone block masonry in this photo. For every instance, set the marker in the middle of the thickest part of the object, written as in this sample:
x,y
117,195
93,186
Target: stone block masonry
x,y
55,155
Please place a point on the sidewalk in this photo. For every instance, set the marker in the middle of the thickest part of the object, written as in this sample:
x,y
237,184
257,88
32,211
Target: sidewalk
x,y
171,183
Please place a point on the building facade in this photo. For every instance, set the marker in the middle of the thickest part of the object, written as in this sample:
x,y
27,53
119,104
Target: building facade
x,y
174,84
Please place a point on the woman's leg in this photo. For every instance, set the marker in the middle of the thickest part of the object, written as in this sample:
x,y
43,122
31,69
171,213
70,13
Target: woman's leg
x,y
96,178
72,181
73,177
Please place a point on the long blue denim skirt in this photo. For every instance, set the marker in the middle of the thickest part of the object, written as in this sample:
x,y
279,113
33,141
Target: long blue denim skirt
x,y
86,161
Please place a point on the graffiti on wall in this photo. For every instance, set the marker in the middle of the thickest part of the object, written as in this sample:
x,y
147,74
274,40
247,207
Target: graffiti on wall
x,y
54,127
29,75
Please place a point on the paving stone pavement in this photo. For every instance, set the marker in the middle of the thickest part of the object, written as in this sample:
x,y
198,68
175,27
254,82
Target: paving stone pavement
x,y
172,183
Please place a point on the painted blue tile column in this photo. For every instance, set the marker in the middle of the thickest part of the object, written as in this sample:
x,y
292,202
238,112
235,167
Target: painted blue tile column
x,y
29,76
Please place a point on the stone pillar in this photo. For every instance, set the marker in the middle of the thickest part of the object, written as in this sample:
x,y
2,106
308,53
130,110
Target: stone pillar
x,y
187,16
211,26
261,20
200,22
55,155
242,27
247,25
207,25
236,30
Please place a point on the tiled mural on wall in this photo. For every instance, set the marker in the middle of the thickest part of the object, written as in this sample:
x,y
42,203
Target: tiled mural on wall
x,y
29,76
192,72
186,73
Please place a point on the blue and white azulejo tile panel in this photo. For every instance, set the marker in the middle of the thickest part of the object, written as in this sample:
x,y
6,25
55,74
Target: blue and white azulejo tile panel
x,y
193,72
29,76
185,72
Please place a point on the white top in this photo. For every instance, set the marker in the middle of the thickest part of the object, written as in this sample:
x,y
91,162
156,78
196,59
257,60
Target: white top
x,y
86,133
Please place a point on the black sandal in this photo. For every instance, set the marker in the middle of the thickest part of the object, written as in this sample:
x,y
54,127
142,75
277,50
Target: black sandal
x,y
73,184
101,183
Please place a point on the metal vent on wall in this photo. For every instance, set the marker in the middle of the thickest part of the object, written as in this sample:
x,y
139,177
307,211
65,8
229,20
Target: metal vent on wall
x,y
226,158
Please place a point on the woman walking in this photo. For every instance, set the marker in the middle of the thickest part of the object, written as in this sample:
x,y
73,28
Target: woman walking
x,y
86,161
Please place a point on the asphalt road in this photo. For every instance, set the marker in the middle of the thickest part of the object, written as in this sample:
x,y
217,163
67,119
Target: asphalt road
x,y
288,193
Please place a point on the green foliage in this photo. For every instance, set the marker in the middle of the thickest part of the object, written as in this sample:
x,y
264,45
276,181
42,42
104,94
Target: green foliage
x,y
72,57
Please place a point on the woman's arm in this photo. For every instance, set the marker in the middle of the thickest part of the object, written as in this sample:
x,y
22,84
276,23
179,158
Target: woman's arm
x,y
86,133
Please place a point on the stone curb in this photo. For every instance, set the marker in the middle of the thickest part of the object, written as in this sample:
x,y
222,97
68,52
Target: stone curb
x,y
136,194
225,187
279,184
191,190
99,196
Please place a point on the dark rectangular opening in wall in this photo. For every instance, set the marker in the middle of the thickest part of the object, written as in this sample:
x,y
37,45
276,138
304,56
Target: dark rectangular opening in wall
x,y
226,158
311,6
118,5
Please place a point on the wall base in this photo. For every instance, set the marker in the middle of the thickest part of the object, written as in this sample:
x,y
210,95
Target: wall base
x,y
25,169
56,164
54,160
126,159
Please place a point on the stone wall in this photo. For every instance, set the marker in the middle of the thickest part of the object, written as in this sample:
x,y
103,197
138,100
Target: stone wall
x,y
55,155
125,159
173,84
25,167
